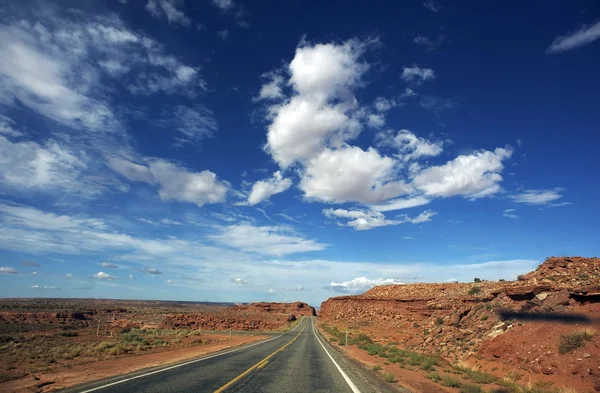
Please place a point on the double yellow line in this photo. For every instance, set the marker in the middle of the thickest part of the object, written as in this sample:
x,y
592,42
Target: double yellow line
x,y
260,365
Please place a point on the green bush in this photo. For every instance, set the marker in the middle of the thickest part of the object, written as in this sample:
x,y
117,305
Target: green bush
x,y
434,377
474,290
388,377
484,317
570,342
450,382
376,367
133,336
439,321
468,388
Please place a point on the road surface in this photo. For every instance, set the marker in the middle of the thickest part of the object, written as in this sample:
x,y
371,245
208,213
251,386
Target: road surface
x,y
296,361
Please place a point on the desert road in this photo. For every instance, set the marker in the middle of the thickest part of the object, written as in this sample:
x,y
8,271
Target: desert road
x,y
295,361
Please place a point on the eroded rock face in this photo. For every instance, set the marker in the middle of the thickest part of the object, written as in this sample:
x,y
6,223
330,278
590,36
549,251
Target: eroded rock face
x,y
456,321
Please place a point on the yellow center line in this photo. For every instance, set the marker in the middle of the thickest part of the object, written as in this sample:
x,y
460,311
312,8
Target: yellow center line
x,y
260,364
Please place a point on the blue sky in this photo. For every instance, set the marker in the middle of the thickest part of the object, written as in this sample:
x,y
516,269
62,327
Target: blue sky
x,y
245,151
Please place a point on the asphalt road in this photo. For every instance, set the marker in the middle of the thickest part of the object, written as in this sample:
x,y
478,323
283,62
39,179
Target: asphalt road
x,y
296,361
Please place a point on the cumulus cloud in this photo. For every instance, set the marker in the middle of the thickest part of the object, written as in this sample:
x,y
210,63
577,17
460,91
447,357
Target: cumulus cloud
x,y
416,74
409,145
109,265
365,220
383,104
361,284
131,277
584,36
223,34
104,276
473,176
376,120
273,89
168,9
224,5
68,275
263,189
537,197
175,183
239,280
272,291
7,270
321,110
169,282
351,174
8,127
270,240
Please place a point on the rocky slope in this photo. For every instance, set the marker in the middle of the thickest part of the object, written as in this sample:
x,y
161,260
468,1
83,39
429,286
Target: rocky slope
x,y
461,320
254,316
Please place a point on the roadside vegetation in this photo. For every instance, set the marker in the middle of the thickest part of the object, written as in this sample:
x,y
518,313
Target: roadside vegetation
x,y
461,376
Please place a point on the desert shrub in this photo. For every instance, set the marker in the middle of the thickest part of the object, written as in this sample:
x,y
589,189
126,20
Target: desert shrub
x,y
428,362
502,280
388,377
521,277
68,334
477,279
474,290
104,345
439,321
291,318
133,336
488,306
377,367
469,388
484,317
125,330
434,377
570,342
450,382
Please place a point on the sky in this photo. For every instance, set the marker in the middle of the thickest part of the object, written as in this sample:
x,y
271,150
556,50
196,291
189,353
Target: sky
x,y
280,151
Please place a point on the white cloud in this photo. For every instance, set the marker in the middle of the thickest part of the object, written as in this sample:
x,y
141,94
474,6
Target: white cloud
x,y
365,220
7,270
169,282
175,183
264,189
537,197
432,5
104,276
510,213
436,104
270,240
376,120
224,5
272,90
24,216
240,281
361,220
223,34
109,265
26,166
192,124
131,277
584,36
361,284
408,238
152,270
400,203
271,291
68,275
416,74
7,127
322,110
473,176
351,174
167,221
409,145
45,287
428,43
383,104
169,10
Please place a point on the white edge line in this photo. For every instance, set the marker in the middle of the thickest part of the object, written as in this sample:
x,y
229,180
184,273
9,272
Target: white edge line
x,y
348,380
183,364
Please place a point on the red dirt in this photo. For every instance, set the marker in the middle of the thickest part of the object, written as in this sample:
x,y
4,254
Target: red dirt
x,y
446,320
64,377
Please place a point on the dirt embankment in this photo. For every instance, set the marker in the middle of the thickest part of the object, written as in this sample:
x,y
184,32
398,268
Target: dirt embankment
x,y
461,321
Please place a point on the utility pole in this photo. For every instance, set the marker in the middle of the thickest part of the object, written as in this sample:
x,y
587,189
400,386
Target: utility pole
x,y
229,335
346,345
98,329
